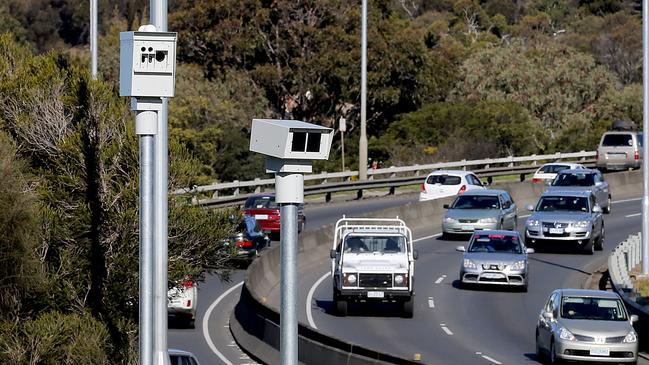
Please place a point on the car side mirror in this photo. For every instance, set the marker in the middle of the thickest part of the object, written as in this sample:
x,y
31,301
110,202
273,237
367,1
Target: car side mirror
x,y
634,318
529,207
529,250
507,205
445,206
599,183
332,254
597,209
460,249
415,254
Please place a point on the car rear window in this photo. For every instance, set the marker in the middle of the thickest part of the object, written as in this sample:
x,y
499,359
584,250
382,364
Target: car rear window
x,y
261,202
444,180
553,169
574,180
476,202
617,140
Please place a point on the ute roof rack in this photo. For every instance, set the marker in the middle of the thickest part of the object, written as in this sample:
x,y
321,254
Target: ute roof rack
x,y
345,226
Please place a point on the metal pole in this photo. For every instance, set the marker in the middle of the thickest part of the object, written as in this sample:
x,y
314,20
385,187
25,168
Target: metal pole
x,y
144,120
159,19
342,142
288,304
93,39
362,143
645,130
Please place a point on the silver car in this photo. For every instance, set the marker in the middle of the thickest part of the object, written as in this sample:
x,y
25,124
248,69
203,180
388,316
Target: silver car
x,y
566,217
620,150
479,209
584,180
586,325
495,257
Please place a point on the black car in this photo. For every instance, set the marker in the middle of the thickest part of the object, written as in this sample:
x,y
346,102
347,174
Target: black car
x,y
248,239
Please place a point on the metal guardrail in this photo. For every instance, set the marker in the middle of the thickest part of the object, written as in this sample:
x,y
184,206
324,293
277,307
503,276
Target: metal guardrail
x,y
623,259
390,177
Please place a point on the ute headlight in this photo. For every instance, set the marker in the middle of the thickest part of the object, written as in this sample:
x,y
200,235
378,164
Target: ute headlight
x,y
564,334
533,223
631,337
400,280
488,220
518,265
349,279
581,224
468,264
449,220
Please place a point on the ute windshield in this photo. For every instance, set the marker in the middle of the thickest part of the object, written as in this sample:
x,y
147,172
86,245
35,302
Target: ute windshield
x,y
476,202
372,244
598,309
562,203
495,243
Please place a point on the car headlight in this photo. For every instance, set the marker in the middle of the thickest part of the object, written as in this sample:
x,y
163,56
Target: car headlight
x,y
449,220
533,223
400,280
564,334
488,220
518,265
580,224
631,337
349,279
468,264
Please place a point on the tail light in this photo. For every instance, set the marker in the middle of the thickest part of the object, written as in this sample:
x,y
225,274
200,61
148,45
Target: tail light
x,y
422,187
244,244
188,283
535,180
462,189
636,155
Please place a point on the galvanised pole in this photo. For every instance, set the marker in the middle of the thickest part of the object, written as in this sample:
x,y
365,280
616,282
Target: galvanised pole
x,y
145,122
288,255
645,130
93,39
159,19
362,143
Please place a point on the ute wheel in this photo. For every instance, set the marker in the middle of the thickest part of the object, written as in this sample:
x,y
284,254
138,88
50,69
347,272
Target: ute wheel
x,y
408,308
341,307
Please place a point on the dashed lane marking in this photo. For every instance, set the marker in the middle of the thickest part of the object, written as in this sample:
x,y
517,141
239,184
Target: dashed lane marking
x,y
427,237
492,360
633,215
431,302
445,329
441,278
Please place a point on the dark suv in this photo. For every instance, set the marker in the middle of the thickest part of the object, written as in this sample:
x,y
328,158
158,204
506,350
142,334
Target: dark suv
x,y
248,239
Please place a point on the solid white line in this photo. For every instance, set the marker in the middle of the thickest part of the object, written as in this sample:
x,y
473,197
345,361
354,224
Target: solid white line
x,y
441,278
431,302
626,200
309,298
427,237
524,216
448,331
206,320
633,215
492,360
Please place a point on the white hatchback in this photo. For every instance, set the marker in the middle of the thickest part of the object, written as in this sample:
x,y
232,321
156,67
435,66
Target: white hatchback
x,y
443,183
181,302
547,172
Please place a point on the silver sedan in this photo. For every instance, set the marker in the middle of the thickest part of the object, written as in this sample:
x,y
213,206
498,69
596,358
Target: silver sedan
x,y
495,257
586,325
480,209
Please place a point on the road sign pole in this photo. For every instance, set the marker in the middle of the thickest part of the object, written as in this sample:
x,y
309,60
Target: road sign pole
x,y
645,145
362,143
93,39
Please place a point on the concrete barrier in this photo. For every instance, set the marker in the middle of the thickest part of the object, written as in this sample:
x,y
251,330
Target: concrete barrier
x,y
255,321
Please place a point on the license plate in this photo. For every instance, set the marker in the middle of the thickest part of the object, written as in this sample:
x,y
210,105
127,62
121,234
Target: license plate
x,y
489,275
467,228
556,230
375,294
600,352
261,216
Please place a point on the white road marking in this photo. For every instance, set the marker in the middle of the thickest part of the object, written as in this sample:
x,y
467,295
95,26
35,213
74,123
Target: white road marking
x,y
633,215
441,278
524,216
431,302
427,237
206,320
448,331
309,298
626,200
492,360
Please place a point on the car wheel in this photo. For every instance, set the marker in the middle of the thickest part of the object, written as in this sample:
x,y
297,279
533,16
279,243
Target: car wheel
x,y
409,308
523,289
599,244
446,236
607,210
552,356
191,323
540,355
589,247
341,307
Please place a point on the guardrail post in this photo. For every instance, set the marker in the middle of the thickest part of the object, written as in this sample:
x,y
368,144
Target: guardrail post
x,y
327,197
215,194
391,190
583,158
324,179
236,190
522,177
534,162
511,162
257,186
490,180
359,194
464,162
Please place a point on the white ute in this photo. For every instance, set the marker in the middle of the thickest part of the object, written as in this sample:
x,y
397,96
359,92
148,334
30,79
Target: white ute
x,y
372,260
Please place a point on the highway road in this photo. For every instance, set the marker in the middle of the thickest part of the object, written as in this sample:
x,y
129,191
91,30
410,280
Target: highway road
x,y
451,325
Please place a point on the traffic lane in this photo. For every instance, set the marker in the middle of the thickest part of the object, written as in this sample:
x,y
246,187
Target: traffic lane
x,y
223,350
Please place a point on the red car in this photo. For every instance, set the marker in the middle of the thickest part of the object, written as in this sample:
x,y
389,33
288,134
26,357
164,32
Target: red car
x,y
266,211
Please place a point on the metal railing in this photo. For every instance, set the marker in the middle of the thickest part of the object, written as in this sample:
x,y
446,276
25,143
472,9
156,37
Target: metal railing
x,y
626,256
390,177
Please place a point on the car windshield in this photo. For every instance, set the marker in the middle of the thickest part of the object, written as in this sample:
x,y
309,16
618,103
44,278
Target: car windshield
x,y
495,243
261,202
476,202
575,179
599,309
182,360
562,203
443,180
553,169
617,140
370,244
